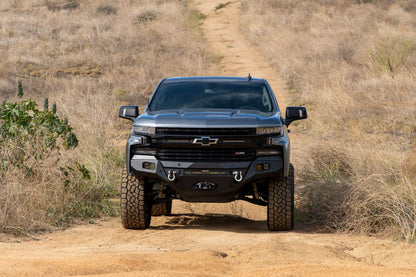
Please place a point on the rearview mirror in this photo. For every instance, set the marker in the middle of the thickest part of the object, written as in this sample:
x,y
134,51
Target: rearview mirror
x,y
129,112
295,113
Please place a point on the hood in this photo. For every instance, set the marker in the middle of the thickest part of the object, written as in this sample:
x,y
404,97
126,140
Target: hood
x,y
208,119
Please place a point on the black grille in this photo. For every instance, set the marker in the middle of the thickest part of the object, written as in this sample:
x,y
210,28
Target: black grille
x,y
207,131
207,154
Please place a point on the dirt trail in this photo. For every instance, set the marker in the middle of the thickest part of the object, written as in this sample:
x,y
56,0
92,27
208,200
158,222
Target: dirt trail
x,y
238,56
219,244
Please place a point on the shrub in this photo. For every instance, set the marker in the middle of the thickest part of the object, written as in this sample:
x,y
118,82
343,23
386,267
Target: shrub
x,y
34,134
324,186
195,20
146,17
62,5
391,55
332,194
39,186
106,9
379,202
221,6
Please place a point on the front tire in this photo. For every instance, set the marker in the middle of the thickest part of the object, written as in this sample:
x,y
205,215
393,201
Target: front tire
x,y
280,206
135,207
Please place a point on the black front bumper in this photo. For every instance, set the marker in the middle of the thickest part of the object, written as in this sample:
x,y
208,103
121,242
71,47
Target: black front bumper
x,y
207,181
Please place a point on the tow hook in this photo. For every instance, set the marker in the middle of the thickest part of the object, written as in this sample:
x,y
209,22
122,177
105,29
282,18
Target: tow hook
x,y
171,175
238,176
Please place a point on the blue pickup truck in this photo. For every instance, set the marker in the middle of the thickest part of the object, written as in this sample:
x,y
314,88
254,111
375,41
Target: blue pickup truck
x,y
209,139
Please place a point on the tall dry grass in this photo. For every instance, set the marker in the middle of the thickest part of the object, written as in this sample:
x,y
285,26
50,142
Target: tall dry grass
x,y
89,57
353,64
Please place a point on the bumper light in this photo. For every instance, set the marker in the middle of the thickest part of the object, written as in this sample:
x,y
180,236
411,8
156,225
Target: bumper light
x,y
276,141
138,140
144,151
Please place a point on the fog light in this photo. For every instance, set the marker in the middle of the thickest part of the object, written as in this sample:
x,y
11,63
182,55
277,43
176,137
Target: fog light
x,y
260,167
147,165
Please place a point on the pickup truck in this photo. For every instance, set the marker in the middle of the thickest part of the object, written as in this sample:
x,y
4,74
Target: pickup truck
x,y
209,139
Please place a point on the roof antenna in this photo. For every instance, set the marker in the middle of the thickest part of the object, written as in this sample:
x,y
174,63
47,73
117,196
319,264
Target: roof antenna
x,y
249,77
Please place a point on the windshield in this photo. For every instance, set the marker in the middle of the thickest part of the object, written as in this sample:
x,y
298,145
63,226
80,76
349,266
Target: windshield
x,y
212,95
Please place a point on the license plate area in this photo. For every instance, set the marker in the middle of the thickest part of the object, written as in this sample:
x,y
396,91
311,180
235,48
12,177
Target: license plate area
x,y
205,186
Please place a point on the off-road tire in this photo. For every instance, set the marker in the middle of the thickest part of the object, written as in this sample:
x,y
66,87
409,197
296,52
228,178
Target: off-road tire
x,y
164,208
280,206
135,207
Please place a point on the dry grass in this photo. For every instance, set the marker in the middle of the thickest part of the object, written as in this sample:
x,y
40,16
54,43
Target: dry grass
x,y
353,64
89,57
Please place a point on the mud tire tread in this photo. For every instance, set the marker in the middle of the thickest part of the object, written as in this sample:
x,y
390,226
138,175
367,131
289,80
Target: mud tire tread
x,y
135,208
280,207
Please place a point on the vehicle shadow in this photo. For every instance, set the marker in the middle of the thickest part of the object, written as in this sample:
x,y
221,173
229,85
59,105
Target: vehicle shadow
x,y
217,222
225,222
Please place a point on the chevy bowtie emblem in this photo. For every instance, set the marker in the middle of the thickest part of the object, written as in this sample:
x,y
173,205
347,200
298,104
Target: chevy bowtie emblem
x,y
205,141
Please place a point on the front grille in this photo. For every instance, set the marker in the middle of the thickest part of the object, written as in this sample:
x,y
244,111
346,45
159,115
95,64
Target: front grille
x,y
207,131
206,154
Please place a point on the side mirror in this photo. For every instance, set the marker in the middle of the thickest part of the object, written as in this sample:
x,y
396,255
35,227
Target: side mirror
x,y
295,113
129,112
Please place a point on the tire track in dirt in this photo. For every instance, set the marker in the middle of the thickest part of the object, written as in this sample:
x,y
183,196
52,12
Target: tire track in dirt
x,y
205,244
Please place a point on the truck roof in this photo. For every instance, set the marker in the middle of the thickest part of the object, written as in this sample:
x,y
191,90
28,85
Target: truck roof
x,y
213,79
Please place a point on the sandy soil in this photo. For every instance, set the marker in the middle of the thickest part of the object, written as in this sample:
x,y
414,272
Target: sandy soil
x,y
203,245
202,239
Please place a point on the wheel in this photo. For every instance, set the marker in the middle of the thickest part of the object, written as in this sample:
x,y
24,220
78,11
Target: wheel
x,y
164,208
135,207
280,206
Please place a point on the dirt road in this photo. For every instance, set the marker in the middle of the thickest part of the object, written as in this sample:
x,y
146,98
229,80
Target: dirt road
x,y
205,245
231,242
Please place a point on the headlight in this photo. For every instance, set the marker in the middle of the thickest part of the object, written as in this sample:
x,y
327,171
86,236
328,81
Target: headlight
x,y
270,130
143,130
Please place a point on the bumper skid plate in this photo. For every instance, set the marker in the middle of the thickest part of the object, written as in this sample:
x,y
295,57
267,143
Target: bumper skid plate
x,y
206,182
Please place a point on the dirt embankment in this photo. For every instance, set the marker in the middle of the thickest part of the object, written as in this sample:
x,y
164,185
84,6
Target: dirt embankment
x,y
220,244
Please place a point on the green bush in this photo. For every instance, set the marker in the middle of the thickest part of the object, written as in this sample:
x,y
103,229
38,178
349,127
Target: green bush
x,y
40,184
35,133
